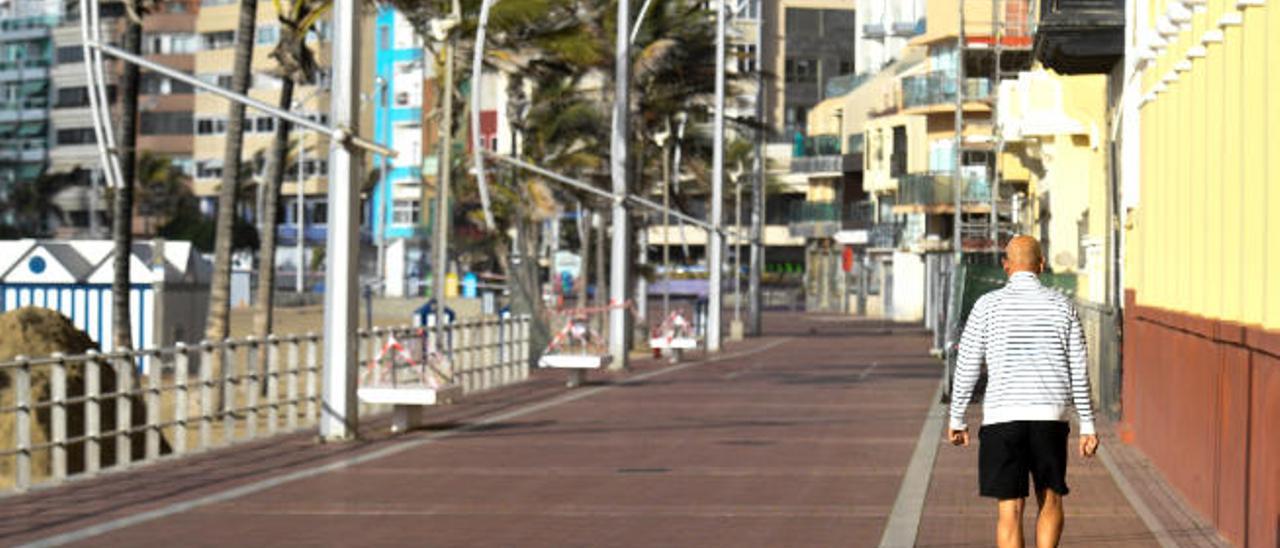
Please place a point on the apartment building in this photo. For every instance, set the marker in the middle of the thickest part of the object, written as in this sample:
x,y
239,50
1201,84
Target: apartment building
x,y
398,201
26,54
306,173
165,122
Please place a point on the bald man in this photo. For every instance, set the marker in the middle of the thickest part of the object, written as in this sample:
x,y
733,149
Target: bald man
x,y
1030,338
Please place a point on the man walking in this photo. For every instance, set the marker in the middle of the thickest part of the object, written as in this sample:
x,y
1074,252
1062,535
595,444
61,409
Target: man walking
x,y
1031,340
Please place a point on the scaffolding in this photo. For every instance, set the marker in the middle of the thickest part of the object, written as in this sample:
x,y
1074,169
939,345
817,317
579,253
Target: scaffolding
x,y
985,210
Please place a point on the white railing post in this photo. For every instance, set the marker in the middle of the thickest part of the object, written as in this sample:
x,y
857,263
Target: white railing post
x,y
273,384
228,350
153,407
124,408
22,426
58,417
312,371
92,413
292,407
181,397
206,395
251,388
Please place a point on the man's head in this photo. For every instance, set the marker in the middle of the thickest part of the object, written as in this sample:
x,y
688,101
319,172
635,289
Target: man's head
x,y
1023,255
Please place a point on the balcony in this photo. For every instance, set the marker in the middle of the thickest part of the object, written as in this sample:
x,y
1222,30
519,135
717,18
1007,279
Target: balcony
x,y
824,219
939,88
935,193
832,165
884,235
873,31
1080,36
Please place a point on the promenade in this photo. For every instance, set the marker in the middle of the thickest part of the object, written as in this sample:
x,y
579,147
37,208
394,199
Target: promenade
x,y
804,437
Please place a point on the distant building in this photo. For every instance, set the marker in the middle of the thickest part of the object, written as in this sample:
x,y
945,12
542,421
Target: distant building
x,y
398,202
26,54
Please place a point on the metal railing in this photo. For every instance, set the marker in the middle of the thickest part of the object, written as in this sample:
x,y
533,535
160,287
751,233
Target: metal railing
x,y
69,416
939,87
930,189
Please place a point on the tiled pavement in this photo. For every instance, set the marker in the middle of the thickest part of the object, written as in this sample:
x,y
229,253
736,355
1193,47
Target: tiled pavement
x,y
800,438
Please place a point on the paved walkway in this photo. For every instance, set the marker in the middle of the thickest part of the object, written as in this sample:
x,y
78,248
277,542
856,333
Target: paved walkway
x,y
801,438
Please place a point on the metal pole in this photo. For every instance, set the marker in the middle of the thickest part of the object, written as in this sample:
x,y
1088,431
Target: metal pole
x,y
444,180
380,224
716,243
666,231
338,417
737,250
757,192
300,209
619,269
957,186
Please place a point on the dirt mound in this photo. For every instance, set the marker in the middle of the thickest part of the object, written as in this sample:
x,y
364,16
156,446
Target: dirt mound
x,y
33,331
37,333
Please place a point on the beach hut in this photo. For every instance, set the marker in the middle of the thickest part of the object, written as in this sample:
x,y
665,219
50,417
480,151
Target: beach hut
x,y
169,287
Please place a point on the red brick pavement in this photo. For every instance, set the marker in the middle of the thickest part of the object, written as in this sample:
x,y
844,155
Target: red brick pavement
x,y
796,439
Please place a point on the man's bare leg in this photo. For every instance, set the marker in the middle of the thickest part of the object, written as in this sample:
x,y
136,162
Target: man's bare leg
x,y
1049,522
1009,526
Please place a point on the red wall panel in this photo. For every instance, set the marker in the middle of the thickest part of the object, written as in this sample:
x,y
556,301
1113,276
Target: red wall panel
x,y
1264,468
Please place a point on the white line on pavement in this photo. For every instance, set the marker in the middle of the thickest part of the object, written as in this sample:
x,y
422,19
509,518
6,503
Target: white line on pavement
x,y
904,521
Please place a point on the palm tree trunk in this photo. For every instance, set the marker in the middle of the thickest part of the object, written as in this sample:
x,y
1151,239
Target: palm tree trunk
x,y
122,221
264,310
218,327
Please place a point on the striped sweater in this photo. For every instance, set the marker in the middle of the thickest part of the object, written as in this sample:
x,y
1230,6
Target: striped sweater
x,y
1031,340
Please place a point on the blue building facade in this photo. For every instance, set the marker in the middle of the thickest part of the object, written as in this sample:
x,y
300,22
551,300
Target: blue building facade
x,y
400,68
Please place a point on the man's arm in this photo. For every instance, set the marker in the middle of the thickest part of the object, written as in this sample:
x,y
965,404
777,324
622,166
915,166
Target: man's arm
x,y
1077,360
968,363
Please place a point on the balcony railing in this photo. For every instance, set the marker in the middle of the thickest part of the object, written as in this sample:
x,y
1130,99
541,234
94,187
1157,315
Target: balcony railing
x,y
825,164
934,189
884,235
814,219
314,233
939,87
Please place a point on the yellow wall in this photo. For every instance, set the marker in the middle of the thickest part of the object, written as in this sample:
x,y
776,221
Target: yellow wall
x,y
1203,239
943,19
879,147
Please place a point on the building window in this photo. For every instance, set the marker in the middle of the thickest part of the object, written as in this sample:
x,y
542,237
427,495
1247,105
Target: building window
x,y
155,84
218,40
802,71
209,169
406,212
267,35
898,161
220,80
73,97
749,10
746,54
211,126
846,67
76,136
70,54
168,43
165,123
384,38
265,124
262,80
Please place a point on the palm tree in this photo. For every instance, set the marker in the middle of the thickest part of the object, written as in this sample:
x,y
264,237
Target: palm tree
x,y
296,64
220,287
161,192
122,218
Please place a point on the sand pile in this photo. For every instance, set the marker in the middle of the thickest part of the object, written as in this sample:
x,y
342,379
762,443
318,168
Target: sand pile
x,y
39,332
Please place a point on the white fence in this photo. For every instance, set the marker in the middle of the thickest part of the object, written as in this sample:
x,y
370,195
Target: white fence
x,y
65,416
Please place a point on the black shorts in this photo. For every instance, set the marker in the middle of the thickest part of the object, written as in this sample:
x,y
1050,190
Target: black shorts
x,y
1010,451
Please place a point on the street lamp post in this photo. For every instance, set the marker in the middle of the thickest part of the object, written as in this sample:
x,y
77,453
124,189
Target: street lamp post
x,y
380,224
716,241
339,410
618,174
